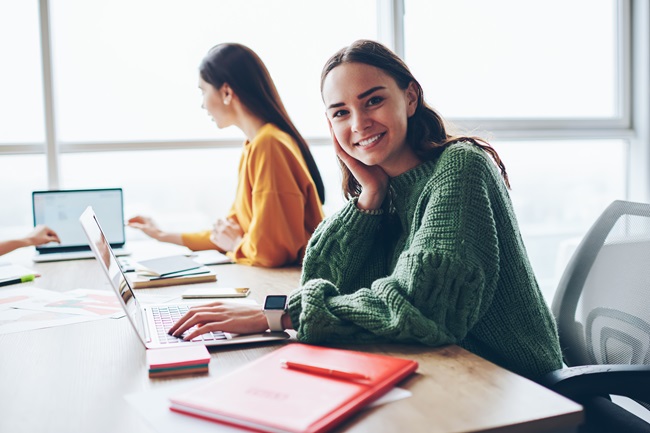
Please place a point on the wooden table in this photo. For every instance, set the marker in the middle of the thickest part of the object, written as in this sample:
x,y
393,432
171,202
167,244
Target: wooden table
x,y
73,378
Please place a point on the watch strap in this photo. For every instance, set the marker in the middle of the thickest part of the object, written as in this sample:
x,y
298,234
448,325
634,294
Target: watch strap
x,y
274,319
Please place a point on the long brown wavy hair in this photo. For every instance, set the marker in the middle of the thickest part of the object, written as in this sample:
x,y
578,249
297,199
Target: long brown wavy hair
x,y
426,130
244,71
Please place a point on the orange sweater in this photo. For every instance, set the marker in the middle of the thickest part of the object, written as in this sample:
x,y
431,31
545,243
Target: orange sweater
x,y
276,204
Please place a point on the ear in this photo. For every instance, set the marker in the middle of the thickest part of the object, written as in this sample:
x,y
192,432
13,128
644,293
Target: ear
x,y
226,93
411,94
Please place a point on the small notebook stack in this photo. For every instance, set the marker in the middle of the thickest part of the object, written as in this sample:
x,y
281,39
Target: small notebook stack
x,y
169,271
177,361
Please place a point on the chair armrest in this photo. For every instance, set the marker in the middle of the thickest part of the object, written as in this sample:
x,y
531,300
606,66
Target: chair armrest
x,y
586,381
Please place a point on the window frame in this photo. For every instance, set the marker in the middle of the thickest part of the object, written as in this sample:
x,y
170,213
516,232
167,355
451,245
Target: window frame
x,y
632,123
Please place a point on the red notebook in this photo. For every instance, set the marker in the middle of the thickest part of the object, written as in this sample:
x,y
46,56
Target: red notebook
x,y
264,395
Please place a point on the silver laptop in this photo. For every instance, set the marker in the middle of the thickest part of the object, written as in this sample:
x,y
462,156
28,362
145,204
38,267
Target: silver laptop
x,y
60,210
151,322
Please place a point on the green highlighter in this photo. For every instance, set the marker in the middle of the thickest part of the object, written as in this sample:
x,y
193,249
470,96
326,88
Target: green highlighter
x,y
23,279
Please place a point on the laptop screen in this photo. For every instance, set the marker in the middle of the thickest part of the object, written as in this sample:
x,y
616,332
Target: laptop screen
x,y
60,211
105,256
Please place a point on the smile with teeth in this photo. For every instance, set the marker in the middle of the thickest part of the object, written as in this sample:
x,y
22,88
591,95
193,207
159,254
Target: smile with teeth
x,y
371,140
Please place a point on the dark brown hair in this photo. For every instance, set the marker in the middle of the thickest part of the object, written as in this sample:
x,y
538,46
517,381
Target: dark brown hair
x,y
244,71
426,131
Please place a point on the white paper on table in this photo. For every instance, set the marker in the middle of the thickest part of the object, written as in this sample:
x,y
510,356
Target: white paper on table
x,y
153,407
13,297
84,302
391,396
17,320
10,271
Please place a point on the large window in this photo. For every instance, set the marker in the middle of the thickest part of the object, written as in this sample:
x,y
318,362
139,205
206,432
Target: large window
x,y
555,59
128,70
21,83
548,83
19,176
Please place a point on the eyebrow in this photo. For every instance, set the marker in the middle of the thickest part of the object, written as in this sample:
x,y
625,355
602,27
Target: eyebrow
x,y
359,96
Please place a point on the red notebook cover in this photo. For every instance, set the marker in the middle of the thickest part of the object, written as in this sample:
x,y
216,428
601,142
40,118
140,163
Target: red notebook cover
x,y
262,395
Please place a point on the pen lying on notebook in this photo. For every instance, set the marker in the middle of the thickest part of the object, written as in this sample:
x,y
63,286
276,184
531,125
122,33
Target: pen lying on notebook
x,y
322,371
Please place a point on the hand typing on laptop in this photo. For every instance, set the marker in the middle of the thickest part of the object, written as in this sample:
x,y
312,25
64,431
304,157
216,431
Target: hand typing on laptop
x,y
223,316
41,235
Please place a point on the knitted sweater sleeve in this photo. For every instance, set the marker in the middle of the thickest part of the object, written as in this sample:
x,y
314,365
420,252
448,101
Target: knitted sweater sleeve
x,y
441,282
346,249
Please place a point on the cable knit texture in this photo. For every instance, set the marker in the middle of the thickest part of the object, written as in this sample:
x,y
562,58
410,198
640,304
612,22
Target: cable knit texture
x,y
446,265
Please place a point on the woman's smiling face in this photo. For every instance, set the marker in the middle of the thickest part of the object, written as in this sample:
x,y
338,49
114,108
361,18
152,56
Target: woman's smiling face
x,y
368,112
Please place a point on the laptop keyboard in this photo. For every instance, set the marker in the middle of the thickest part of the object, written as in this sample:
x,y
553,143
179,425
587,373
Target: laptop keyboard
x,y
164,317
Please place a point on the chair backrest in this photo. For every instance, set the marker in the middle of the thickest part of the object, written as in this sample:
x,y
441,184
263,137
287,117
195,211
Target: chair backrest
x,y
602,305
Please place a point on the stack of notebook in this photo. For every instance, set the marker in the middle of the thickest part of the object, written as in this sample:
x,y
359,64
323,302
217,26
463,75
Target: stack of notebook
x,y
168,271
176,361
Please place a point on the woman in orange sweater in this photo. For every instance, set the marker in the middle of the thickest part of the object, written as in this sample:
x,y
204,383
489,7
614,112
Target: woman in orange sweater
x,y
279,196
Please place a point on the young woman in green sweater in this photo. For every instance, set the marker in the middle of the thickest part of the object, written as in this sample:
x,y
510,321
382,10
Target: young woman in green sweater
x,y
427,249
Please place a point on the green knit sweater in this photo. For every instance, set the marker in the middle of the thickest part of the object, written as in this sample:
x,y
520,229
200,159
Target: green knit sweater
x,y
446,265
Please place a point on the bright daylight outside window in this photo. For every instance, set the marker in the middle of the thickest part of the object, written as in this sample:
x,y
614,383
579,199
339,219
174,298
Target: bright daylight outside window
x,y
506,59
21,90
147,81
21,113
513,59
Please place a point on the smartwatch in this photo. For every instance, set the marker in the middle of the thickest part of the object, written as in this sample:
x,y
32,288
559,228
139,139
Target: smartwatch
x,y
274,308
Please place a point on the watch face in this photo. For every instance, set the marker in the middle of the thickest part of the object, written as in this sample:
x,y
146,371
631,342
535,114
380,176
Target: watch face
x,y
275,302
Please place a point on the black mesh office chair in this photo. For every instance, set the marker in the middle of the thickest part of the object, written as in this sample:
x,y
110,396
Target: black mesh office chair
x,y
602,308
